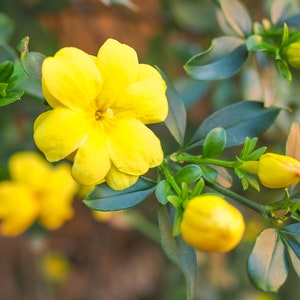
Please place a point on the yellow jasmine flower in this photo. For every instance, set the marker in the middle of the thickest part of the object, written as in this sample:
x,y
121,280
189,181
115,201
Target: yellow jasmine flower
x,y
278,171
36,190
100,108
210,223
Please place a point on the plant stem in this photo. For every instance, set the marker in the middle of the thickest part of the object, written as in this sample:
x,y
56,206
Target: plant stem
x,y
247,202
204,160
164,169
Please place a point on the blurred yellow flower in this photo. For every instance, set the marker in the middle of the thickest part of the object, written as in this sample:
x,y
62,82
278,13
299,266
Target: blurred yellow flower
x,y
278,171
100,108
210,223
36,190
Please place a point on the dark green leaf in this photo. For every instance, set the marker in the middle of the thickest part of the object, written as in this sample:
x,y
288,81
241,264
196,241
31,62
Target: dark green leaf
x,y
214,143
267,263
176,119
223,59
188,174
106,199
240,120
237,17
181,254
162,191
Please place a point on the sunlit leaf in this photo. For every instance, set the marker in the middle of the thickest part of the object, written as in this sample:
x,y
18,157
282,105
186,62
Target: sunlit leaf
x,y
236,16
11,97
293,142
106,199
240,120
223,59
267,263
181,254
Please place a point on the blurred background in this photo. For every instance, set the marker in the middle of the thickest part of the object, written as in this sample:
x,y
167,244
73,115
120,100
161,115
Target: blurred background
x,y
118,256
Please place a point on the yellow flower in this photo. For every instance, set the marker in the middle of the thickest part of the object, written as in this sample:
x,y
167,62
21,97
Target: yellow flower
x,y
278,171
292,55
100,108
36,191
210,223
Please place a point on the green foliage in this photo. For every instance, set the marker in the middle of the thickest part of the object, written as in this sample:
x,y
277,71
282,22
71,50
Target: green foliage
x,y
8,94
176,119
240,120
181,254
214,143
106,199
223,59
188,174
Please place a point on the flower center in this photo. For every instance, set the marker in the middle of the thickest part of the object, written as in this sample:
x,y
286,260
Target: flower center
x,y
99,114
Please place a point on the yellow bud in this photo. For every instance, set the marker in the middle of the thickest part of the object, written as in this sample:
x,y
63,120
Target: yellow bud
x,y
278,171
249,167
210,223
291,54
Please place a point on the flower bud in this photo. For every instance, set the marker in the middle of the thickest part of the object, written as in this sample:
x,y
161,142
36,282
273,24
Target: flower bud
x,y
210,223
291,54
278,171
250,166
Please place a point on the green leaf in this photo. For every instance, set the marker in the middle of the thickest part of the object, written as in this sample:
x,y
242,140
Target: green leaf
x,y
237,17
214,143
176,119
240,120
188,174
32,64
179,253
291,236
11,97
6,70
267,263
223,59
209,173
162,191
106,199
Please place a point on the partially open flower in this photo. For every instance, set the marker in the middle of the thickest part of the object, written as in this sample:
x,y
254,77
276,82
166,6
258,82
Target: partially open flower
x,y
101,105
210,223
278,171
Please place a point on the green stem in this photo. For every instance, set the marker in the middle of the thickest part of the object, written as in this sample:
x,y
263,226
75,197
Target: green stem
x,y
164,169
247,202
205,160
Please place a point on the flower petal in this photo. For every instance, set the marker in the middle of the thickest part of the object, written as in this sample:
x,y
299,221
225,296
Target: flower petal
x,y
20,164
60,131
18,208
59,191
71,78
118,65
133,147
92,162
118,180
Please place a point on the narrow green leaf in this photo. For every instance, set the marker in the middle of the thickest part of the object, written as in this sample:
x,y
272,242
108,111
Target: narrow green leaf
x,y
179,253
106,199
237,17
223,59
240,120
11,97
267,263
214,143
188,174
162,191
176,119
